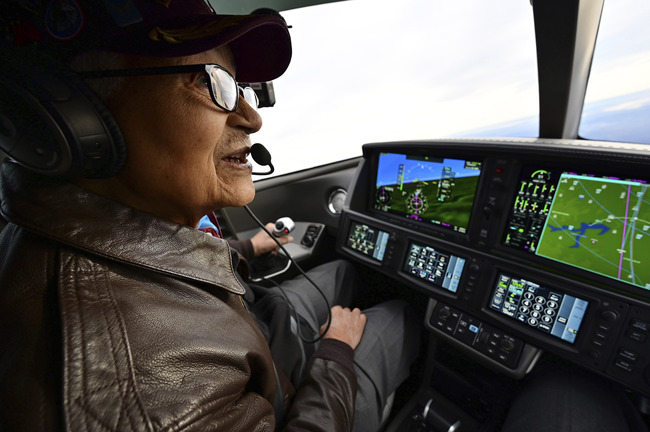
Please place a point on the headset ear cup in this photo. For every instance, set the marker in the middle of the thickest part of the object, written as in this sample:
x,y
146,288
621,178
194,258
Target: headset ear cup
x,y
52,122
116,153
117,139
28,134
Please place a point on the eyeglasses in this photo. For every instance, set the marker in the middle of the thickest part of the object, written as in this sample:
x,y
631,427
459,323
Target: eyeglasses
x,y
224,90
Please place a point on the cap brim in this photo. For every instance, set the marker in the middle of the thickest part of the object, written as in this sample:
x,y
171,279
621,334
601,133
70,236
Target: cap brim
x,y
261,44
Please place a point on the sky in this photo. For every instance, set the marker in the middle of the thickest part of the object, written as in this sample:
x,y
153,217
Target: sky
x,y
393,166
364,72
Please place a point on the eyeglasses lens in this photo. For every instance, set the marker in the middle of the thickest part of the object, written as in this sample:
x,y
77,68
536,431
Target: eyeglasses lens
x,y
250,96
224,88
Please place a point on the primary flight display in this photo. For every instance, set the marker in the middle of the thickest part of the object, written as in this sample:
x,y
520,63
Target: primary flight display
x,y
433,190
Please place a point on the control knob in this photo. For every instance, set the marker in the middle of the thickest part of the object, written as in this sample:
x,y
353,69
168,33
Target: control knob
x,y
283,226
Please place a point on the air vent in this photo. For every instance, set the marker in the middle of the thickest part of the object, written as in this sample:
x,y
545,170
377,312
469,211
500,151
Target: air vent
x,y
336,201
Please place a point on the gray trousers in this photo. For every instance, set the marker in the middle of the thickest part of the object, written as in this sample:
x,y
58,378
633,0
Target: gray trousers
x,y
571,401
390,342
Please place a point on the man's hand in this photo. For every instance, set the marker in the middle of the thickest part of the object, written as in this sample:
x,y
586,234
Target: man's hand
x,y
262,243
347,326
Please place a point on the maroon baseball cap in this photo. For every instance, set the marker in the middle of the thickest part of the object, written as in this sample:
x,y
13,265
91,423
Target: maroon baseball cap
x,y
260,43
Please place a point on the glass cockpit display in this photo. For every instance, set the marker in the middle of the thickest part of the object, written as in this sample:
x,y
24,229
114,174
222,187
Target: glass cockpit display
x,y
436,267
368,240
438,191
599,224
530,209
547,310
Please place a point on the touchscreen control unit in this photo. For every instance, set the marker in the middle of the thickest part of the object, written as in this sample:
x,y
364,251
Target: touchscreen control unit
x,y
436,267
546,310
368,240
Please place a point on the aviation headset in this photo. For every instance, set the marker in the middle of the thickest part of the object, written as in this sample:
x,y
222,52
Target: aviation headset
x,y
52,122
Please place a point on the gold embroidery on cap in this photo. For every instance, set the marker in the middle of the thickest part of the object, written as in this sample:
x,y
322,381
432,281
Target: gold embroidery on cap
x,y
193,32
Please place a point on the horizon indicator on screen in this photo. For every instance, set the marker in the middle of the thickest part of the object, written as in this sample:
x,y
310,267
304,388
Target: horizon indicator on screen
x,y
432,190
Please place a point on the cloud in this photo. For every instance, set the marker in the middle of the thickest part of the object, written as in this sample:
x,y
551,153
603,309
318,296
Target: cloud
x,y
631,105
365,71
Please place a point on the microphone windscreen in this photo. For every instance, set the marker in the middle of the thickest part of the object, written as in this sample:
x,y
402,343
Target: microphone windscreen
x,y
260,154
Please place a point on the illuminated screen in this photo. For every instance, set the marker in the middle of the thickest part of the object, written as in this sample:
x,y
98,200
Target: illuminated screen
x,y
432,190
433,266
597,224
530,209
368,240
549,311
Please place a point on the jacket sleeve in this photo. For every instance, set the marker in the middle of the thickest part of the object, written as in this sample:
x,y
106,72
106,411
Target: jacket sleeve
x,y
244,247
325,399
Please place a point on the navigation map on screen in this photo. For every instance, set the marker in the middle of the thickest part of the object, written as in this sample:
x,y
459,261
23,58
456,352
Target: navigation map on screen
x,y
601,225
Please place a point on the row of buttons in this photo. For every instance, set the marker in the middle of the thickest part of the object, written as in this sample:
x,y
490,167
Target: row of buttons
x,y
310,236
471,280
472,332
607,319
627,358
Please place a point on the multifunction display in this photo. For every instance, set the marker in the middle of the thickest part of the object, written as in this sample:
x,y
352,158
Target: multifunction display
x,y
599,224
368,240
432,190
431,265
529,211
549,311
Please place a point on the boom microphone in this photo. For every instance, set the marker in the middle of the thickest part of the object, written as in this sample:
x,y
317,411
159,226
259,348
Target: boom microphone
x,y
261,156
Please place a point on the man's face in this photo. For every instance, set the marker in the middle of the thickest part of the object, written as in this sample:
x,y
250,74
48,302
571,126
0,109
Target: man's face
x,y
186,156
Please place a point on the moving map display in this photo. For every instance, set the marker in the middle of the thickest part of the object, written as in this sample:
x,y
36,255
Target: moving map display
x,y
597,224
437,191
600,225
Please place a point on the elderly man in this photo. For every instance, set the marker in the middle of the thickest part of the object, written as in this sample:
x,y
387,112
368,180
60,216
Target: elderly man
x,y
116,313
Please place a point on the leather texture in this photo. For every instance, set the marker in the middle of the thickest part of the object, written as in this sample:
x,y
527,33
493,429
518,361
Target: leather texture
x,y
114,320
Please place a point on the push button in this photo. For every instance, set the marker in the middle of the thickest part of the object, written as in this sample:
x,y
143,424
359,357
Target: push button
x,y
639,325
636,336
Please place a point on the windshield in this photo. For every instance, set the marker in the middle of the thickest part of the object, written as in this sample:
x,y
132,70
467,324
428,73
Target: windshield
x,y
363,71
617,103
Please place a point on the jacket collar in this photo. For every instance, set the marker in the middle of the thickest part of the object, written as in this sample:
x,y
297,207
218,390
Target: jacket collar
x,y
68,214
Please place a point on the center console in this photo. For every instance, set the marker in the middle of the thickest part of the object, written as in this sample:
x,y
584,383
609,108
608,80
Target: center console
x,y
519,247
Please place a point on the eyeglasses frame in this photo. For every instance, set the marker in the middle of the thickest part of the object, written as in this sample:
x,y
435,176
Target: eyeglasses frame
x,y
178,69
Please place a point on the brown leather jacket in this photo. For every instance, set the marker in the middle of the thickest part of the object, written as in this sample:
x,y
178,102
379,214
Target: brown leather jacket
x,y
114,320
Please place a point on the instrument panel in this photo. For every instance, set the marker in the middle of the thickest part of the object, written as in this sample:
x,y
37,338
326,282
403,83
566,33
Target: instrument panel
x,y
520,245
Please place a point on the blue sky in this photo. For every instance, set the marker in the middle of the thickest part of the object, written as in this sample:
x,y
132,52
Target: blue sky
x,y
388,169
622,118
